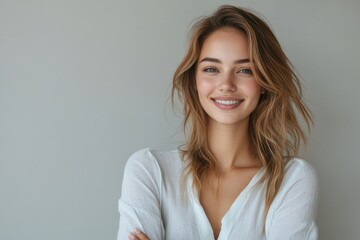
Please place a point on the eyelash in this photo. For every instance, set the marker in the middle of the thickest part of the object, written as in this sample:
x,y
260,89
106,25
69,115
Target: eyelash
x,y
249,71
210,70
213,70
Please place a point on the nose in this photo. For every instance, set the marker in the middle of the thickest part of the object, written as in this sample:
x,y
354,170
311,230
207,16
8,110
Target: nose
x,y
227,84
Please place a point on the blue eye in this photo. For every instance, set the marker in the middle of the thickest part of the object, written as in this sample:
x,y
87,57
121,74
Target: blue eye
x,y
210,70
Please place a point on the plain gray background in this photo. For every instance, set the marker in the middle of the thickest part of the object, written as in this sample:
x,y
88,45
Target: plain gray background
x,y
83,84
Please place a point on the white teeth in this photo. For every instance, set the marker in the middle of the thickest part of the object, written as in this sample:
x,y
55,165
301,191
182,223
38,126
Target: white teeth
x,y
227,102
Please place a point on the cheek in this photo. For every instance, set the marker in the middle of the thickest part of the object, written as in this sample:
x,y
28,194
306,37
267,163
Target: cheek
x,y
203,86
252,87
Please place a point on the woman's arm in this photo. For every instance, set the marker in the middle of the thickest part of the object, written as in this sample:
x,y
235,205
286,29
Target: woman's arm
x,y
139,205
295,216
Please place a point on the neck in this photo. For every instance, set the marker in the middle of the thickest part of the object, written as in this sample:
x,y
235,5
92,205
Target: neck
x,y
230,145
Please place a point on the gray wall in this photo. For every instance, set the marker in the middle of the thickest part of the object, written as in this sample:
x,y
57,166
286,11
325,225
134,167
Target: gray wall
x,y
83,84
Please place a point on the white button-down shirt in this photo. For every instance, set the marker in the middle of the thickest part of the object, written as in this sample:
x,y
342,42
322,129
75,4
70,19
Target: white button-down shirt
x,y
151,200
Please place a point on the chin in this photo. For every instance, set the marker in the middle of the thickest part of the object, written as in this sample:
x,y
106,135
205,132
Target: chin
x,y
229,122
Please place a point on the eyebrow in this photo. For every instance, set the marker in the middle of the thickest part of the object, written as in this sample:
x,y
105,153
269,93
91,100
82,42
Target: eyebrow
x,y
215,60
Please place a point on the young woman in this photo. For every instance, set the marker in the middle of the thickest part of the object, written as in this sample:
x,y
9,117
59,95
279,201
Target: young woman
x,y
237,176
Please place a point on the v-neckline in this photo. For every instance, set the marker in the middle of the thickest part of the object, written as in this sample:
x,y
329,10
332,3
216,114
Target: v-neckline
x,y
202,221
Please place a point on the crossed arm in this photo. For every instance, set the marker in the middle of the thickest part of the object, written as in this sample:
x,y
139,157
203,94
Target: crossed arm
x,y
291,218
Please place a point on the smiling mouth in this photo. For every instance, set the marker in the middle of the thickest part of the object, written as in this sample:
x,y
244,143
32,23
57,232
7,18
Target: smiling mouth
x,y
227,102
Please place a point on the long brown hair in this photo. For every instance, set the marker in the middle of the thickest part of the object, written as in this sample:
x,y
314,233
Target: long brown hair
x,y
275,133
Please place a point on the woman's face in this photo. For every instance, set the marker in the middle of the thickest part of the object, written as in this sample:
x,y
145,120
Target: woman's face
x,y
226,87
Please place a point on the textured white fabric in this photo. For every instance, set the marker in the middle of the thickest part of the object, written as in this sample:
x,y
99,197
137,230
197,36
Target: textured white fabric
x,y
151,200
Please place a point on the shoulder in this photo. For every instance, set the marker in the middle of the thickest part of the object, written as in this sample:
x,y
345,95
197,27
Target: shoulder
x,y
151,169
300,180
298,169
298,188
140,158
152,161
295,205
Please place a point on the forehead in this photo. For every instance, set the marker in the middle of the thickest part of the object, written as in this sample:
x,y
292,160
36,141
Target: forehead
x,y
225,43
